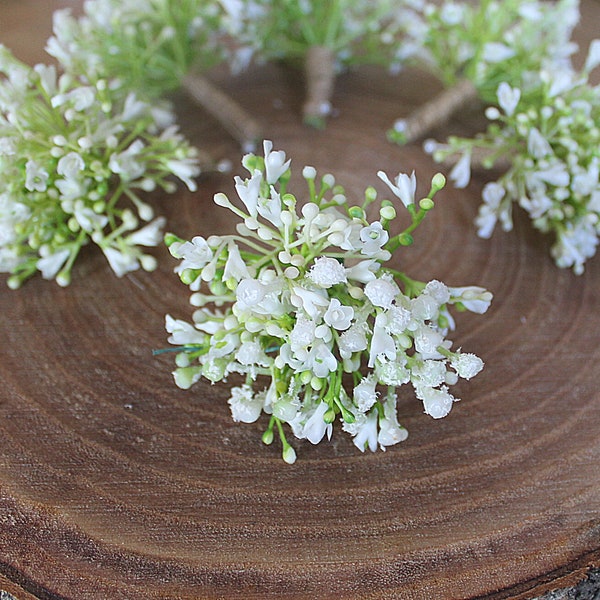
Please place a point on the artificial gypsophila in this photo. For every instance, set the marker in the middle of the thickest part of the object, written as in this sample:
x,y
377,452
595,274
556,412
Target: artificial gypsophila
x,y
549,134
325,37
149,46
152,48
76,160
301,303
473,47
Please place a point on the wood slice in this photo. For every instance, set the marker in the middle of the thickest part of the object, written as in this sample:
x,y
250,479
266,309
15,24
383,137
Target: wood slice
x,y
114,483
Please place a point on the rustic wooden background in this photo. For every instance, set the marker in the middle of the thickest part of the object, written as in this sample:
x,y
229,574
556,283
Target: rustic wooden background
x,y
116,484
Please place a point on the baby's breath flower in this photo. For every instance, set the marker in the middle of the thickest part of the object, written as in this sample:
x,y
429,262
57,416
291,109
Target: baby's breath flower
x,y
473,48
152,48
327,272
494,41
335,340
148,46
245,405
73,170
325,36
548,134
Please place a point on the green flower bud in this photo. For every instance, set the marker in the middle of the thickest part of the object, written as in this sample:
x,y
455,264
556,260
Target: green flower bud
x,y
370,194
426,204
356,212
438,182
329,416
289,455
387,213
405,239
267,437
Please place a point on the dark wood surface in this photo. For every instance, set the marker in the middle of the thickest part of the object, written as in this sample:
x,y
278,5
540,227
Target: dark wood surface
x,y
116,484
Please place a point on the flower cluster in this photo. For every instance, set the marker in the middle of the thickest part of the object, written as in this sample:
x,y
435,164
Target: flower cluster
x,y
498,41
75,158
300,295
549,134
153,48
148,46
490,42
326,36
358,31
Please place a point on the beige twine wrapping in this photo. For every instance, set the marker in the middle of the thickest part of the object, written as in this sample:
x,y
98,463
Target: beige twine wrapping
x,y
319,69
438,110
228,112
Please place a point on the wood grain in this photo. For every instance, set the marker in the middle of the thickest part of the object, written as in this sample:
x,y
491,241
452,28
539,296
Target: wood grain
x,y
116,484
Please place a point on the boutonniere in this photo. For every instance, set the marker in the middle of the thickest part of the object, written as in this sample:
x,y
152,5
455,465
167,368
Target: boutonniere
x,y
76,161
302,303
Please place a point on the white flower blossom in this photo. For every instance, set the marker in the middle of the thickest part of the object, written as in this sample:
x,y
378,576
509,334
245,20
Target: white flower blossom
x,y
461,172
390,431
397,319
249,191
245,405
50,265
383,346
537,145
467,365
403,187
120,262
321,361
373,237
593,57
353,340
427,342
87,218
438,291
436,402
149,235
495,52
36,177
275,163
312,302
429,373
474,298
315,427
365,432
365,393
338,316
235,267
302,306
327,272
363,271
381,291
508,98
186,169
70,165
195,254
126,164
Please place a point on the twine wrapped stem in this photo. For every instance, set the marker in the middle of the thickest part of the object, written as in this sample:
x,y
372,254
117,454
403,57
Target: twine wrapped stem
x,y
319,68
229,113
435,112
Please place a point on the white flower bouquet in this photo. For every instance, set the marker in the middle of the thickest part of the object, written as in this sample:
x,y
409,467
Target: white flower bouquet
x,y
301,296
548,135
75,159
473,47
325,37
153,48
149,46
